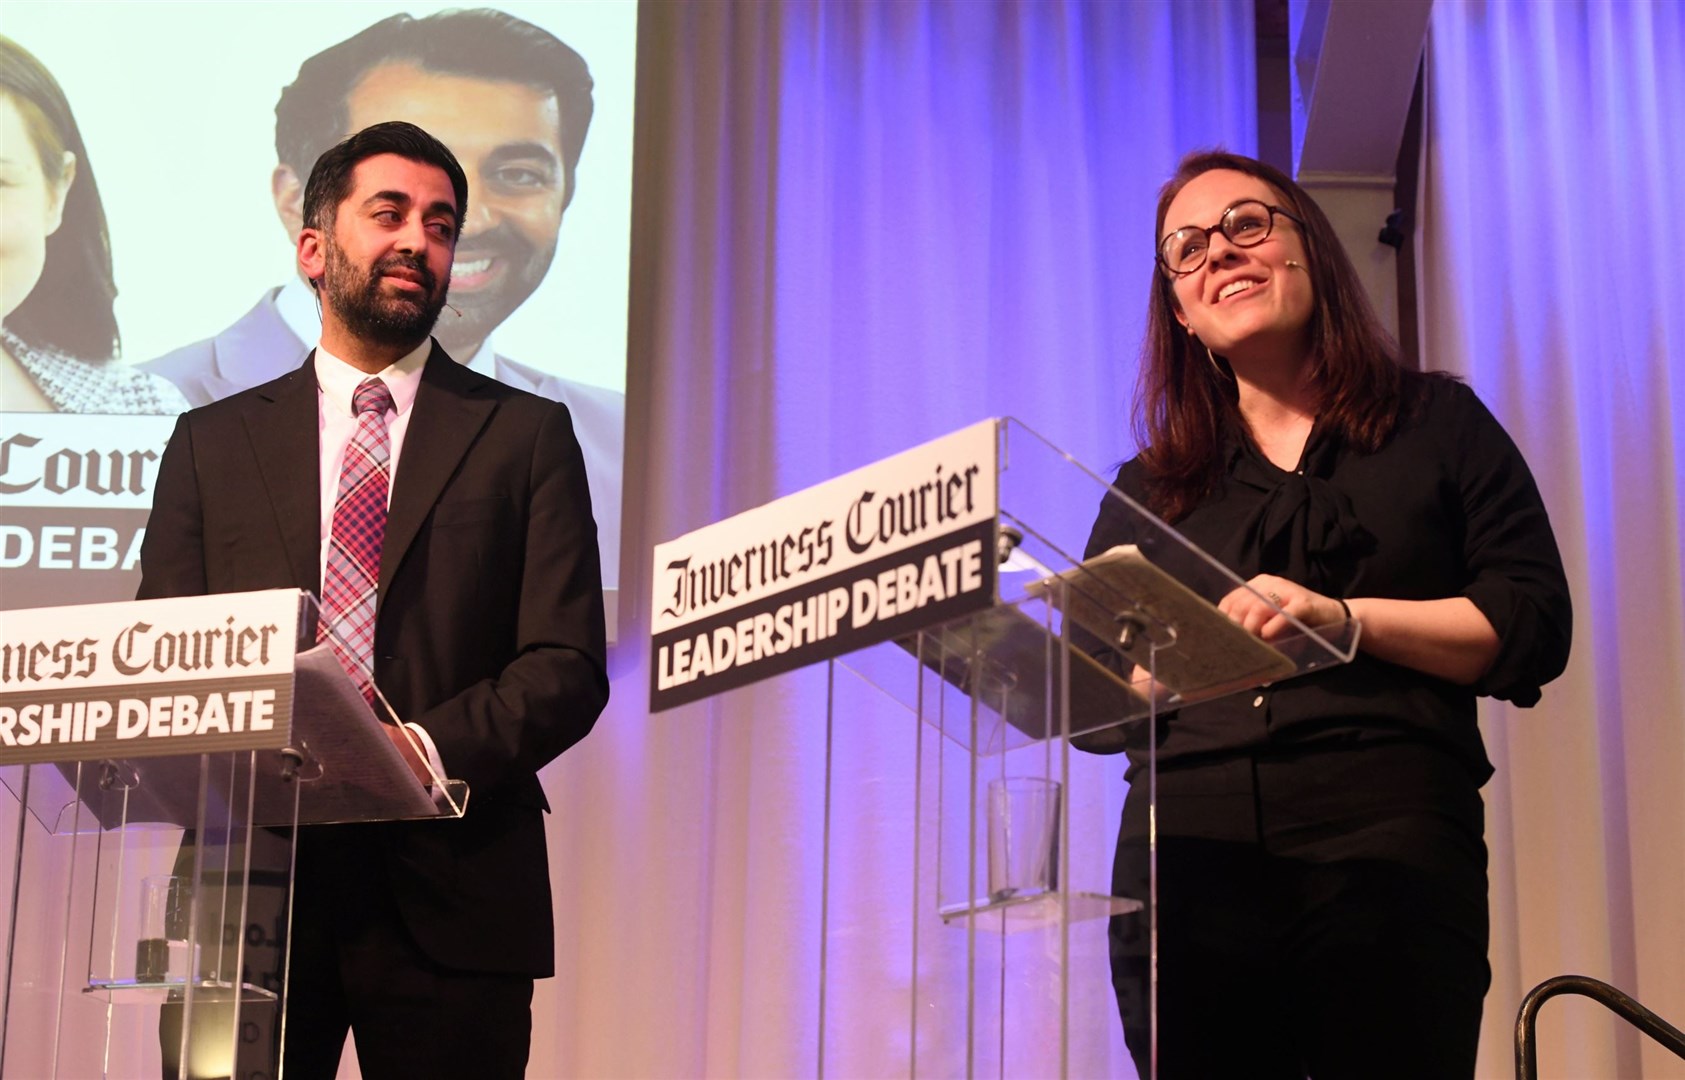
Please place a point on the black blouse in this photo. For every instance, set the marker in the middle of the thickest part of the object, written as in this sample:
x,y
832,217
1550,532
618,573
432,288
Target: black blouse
x,y
1446,508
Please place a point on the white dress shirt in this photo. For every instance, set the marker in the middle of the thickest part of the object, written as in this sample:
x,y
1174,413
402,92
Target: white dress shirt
x,y
336,382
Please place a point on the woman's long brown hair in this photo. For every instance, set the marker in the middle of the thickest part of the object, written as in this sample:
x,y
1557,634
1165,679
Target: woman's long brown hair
x,y
1185,404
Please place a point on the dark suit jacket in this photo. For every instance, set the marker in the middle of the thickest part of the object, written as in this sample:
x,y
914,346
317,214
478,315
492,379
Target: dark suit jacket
x,y
260,345
490,624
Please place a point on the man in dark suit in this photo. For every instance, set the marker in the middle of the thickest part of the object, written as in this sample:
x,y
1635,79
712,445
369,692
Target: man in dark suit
x,y
479,616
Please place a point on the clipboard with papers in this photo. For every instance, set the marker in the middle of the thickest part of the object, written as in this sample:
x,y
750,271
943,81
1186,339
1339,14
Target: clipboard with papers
x,y
1161,626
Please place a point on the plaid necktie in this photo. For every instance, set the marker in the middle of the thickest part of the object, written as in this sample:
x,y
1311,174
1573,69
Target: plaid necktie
x,y
359,524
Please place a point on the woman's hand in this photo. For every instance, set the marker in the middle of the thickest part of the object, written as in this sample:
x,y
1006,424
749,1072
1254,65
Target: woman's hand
x,y
1251,607
1448,638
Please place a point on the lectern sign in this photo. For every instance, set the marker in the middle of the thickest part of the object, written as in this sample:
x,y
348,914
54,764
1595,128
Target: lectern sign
x,y
897,545
194,675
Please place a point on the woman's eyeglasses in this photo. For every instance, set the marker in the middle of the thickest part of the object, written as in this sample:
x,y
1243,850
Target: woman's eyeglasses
x,y
1246,224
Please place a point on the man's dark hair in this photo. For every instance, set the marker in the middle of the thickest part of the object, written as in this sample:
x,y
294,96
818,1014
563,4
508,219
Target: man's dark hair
x,y
314,112
330,180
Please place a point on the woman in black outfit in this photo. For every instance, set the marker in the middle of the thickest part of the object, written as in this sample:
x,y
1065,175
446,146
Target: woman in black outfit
x,y
1322,888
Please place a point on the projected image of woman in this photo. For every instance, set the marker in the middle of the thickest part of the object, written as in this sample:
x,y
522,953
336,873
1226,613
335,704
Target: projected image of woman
x,y
1322,860
59,333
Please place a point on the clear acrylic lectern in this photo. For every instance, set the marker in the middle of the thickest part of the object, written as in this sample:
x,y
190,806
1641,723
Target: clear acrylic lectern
x,y
1007,971
147,897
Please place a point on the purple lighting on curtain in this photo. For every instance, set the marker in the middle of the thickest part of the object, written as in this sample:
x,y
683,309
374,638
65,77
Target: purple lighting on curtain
x,y
867,224
1552,280
964,199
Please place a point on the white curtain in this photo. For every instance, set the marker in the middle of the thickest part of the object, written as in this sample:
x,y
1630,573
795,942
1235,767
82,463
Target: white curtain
x,y
1552,278
859,225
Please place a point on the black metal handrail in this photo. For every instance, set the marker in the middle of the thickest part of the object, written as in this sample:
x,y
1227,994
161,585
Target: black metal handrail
x,y
1618,1002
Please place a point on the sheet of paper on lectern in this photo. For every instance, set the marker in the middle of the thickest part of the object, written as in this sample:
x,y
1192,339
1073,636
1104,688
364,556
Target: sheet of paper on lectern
x,y
1125,600
362,775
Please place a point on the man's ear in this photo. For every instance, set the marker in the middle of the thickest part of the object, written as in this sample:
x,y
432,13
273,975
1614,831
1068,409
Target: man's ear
x,y
288,192
312,256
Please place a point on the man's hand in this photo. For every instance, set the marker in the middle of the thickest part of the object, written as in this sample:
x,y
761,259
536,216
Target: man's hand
x,y
412,757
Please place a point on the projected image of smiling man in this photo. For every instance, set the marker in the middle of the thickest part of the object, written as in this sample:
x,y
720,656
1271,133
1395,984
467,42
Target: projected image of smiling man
x,y
513,103
508,138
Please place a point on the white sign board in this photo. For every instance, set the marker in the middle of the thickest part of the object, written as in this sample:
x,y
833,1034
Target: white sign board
x,y
193,675
900,544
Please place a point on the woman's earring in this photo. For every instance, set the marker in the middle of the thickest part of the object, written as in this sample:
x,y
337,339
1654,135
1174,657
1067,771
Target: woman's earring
x,y
1215,366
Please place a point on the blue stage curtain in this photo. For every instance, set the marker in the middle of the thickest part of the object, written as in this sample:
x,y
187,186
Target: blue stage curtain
x,y
1552,278
859,225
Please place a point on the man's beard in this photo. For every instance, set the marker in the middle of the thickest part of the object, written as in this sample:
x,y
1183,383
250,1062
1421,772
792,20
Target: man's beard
x,y
371,315
521,266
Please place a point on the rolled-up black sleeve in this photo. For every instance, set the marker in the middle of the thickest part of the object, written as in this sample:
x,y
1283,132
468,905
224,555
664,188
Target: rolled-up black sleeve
x,y
1447,507
1516,577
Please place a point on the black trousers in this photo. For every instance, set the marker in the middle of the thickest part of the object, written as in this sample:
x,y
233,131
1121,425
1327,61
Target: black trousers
x,y
1321,913
356,969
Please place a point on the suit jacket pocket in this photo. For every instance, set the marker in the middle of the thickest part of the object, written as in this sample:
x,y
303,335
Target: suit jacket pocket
x,y
469,511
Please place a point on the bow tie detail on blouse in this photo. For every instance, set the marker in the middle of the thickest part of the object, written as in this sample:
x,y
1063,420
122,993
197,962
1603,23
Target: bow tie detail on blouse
x,y
1304,529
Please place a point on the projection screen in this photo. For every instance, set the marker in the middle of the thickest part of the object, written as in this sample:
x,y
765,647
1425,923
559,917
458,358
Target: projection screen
x,y
194,126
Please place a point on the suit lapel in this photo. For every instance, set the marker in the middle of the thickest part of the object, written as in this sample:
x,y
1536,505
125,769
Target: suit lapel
x,y
282,423
450,412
